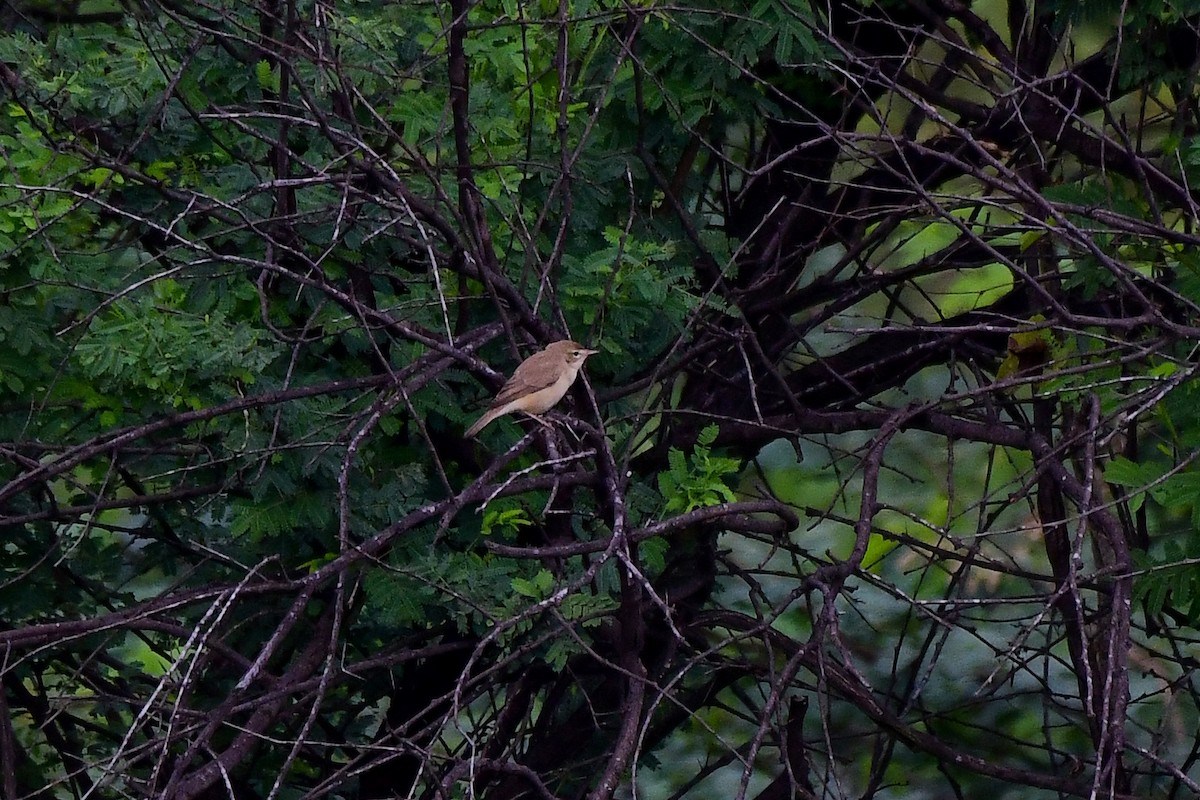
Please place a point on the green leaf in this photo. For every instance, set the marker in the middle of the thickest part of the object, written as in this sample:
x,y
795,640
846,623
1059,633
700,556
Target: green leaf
x,y
653,552
698,481
505,520
540,587
268,78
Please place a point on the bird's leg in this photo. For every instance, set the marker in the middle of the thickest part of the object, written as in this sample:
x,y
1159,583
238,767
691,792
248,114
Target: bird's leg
x,y
558,421
568,424
540,420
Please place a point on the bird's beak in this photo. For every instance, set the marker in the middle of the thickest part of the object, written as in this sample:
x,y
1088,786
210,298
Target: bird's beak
x,y
587,352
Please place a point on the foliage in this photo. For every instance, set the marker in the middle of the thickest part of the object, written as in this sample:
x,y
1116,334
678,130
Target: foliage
x,y
698,481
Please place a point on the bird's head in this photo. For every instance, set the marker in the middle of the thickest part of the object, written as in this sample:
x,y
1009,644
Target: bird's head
x,y
571,352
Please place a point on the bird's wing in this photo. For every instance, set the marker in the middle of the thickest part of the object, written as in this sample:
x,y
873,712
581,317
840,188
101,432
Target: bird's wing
x,y
532,375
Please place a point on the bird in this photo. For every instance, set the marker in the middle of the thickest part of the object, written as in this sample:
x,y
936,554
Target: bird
x,y
538,383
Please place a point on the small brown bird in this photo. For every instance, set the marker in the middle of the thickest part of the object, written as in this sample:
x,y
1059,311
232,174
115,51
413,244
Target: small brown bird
x,y
538,384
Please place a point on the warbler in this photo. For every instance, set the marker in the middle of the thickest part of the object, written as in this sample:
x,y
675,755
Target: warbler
x,y
538,383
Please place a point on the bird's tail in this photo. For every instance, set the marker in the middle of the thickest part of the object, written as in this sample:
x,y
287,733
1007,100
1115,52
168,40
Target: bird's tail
x,y
482,422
